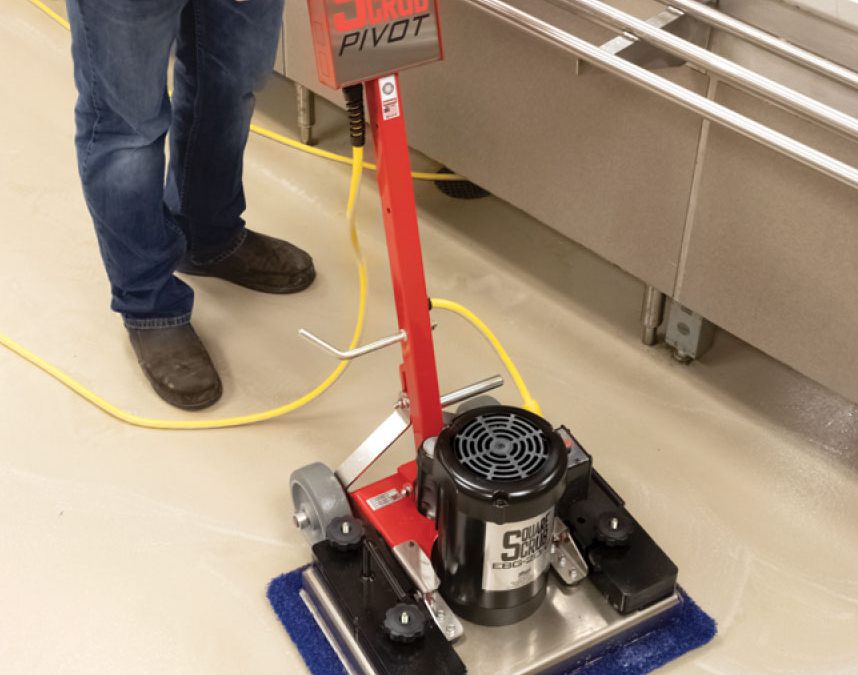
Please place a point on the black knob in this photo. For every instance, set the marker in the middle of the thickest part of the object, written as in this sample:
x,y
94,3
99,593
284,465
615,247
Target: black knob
x,y
345,533
614,529
404,623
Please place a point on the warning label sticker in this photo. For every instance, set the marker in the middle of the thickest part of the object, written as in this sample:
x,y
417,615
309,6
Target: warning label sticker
x,y
384,499
389,97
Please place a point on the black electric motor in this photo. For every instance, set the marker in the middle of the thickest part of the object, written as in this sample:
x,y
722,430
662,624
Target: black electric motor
x,y
492,480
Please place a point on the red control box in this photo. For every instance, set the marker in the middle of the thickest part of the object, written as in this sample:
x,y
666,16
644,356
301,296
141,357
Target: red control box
x,y
360,40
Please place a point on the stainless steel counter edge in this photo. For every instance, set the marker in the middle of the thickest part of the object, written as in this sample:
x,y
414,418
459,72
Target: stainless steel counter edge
x,y
687,99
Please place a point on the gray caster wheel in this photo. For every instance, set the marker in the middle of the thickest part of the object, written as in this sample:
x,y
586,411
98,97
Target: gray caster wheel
x,y
483,401
318,498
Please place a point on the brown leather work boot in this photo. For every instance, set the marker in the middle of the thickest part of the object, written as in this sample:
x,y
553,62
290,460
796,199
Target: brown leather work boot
x,y
261,263
176,363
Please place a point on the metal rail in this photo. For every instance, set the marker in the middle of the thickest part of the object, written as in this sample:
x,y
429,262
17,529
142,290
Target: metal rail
x,y
767,41
663,87
728,70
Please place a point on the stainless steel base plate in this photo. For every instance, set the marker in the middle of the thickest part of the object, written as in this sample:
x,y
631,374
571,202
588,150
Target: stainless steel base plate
x,y
573,622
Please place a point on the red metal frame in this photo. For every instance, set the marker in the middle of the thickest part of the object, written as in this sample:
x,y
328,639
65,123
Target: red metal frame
x,y
418,370
400,521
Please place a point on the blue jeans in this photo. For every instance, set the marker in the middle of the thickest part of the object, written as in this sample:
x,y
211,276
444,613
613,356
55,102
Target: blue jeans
x,y
145,227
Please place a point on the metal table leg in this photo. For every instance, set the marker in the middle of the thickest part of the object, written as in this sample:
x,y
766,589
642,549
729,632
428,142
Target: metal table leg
x,y
652,314
306,113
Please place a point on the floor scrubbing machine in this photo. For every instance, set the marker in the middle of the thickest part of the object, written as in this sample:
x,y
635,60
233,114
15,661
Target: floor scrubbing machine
x,y
499,549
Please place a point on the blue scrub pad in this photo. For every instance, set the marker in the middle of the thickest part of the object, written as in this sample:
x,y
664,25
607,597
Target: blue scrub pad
x,y
283,593
684,628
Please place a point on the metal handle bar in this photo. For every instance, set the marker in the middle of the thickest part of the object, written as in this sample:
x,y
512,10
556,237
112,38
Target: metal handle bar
x,y
349,354
767,41
472,390
663,87
743,77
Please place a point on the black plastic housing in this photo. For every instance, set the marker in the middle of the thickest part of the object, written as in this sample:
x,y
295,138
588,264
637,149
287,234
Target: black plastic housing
x,y
579,468
364,600
631,576
469,507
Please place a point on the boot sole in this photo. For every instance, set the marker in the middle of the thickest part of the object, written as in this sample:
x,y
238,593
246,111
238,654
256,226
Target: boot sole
x,y
164,394
262,288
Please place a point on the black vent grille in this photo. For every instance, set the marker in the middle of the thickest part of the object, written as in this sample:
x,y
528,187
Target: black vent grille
x,y
501,447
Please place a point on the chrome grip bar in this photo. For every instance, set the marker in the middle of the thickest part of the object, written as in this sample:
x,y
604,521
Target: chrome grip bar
x,y
690,100
744,78
472,390
767,41
349,354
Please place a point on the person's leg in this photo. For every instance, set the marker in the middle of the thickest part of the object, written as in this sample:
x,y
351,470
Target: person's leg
x,y
224,52
121,50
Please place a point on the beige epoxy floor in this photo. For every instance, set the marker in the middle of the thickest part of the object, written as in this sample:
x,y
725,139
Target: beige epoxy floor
x,y
132,551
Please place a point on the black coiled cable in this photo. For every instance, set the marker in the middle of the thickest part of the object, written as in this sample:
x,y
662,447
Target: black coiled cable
x,y
355,109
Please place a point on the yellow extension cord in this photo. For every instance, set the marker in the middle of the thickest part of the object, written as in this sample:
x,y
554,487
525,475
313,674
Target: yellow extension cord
x,y
354,189
318,152
51,13
528,402
136,420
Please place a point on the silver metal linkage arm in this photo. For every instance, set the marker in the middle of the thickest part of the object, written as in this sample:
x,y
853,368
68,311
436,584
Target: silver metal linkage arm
x,y
767,41
396,424
678,94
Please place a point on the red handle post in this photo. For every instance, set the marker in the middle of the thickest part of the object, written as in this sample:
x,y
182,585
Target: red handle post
x,y
418,370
